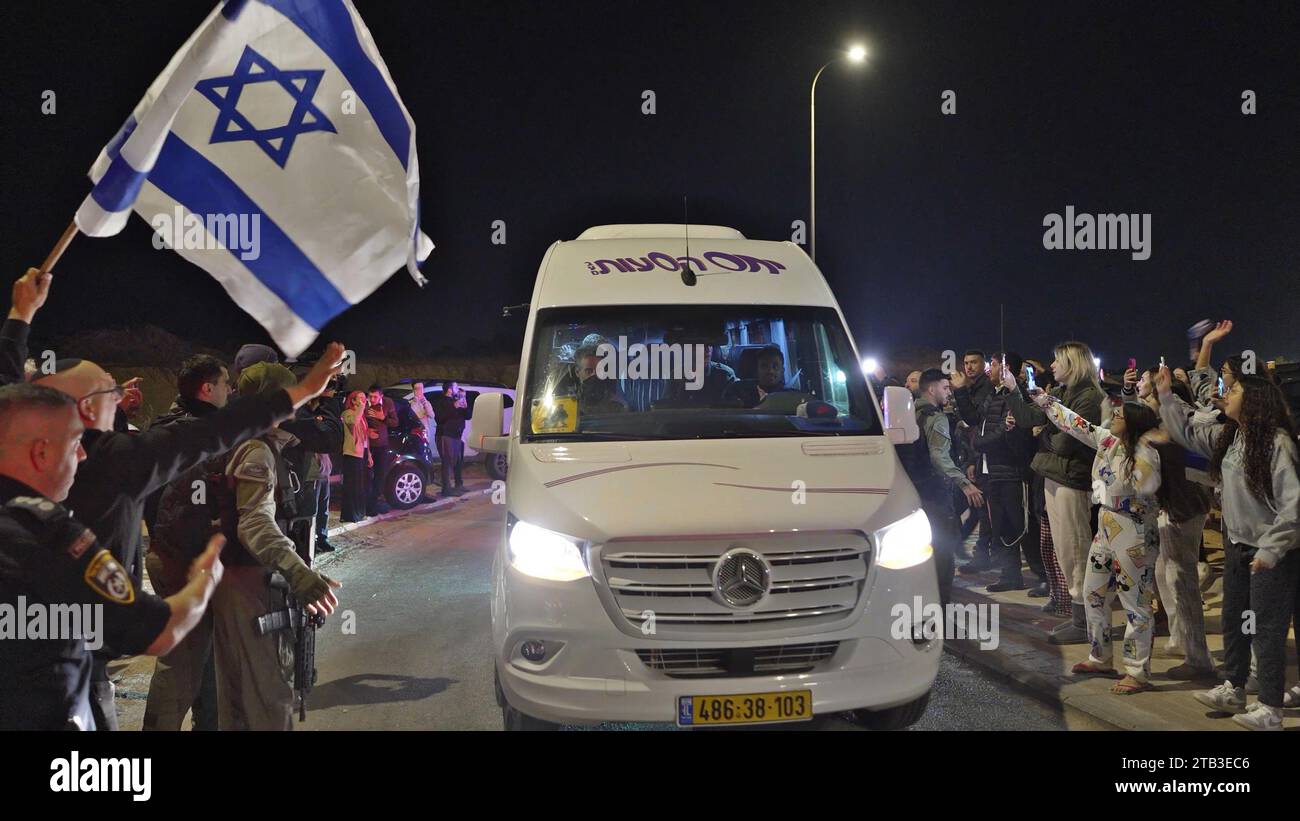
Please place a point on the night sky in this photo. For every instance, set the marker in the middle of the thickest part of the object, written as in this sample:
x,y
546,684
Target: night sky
x,y
531,113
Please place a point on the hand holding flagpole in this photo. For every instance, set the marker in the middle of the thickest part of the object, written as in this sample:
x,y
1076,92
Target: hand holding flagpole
x,y
69,234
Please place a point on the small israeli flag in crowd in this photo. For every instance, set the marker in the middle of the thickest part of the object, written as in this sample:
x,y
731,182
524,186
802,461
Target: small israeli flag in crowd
x,y
274,153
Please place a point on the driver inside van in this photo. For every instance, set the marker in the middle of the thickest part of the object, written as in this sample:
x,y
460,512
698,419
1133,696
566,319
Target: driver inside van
x,y
578,378
770,378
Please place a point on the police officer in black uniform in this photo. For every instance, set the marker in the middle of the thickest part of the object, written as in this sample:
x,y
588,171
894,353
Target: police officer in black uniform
x,y
64,593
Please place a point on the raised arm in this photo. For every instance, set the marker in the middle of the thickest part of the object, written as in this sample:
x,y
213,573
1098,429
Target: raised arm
x,y
966,408
1177,418
1026,414
1070,422
143,463
1220,330
30,291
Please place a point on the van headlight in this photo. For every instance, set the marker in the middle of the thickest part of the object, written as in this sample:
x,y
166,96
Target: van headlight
x,y
905,543
545,554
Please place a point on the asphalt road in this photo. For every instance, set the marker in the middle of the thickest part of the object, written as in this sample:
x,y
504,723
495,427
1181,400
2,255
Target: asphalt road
x,y
418,656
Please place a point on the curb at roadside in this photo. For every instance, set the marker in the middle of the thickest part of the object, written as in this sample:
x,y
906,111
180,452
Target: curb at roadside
x,y
400,514
1038,686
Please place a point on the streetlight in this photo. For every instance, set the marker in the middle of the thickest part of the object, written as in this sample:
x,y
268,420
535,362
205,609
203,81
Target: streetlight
x,y
856,54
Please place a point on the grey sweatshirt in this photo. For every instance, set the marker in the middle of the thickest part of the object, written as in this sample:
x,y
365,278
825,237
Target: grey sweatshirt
x,y
1273,528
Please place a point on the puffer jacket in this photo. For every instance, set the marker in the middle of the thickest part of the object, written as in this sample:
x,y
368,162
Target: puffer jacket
x,y
1007,452
1063,459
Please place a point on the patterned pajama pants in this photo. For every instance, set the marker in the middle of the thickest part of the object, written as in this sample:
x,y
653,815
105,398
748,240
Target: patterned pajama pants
x,y
1121,562
1056,582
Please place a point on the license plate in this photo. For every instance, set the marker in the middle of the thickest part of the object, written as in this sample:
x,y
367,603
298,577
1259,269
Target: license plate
x,y
750,708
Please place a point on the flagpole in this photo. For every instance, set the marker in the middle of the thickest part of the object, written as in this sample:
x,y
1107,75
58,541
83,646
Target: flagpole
x,y
59,247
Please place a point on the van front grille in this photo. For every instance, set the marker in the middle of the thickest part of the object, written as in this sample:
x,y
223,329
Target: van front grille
x,y
815,579
738,662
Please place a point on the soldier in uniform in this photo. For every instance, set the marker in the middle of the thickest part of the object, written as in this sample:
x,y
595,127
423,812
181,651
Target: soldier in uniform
x,y
929,464
51,564
254,671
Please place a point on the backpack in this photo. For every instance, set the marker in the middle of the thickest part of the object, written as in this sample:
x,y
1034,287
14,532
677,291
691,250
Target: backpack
x,y
295,503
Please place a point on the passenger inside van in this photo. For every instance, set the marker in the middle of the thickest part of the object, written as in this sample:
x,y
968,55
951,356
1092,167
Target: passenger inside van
x,y
713,387
578,378
768,377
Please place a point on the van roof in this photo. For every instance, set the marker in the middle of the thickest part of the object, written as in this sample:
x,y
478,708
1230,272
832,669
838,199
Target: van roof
x,y
660,231
642,265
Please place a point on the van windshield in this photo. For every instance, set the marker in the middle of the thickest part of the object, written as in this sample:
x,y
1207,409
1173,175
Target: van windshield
x,y
601,373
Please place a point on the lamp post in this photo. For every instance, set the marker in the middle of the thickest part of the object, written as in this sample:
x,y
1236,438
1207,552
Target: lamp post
x,y
856,54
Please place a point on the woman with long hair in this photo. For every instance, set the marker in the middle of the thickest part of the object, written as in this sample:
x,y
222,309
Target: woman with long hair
x,y
1125,476
1253,456
356,457
1065,464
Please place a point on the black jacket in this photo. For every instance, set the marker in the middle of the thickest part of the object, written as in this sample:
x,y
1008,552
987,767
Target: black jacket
x,y
381,426
181,408
178,527
975,392
450,419
49,558
1007,452
121,470
317,426
13,350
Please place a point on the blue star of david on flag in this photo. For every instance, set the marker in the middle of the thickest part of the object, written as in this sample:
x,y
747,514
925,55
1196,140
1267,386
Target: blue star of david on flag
x,y
323,233
232,126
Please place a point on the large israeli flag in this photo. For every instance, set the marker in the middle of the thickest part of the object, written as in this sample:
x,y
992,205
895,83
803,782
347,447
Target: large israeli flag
x,y
274,153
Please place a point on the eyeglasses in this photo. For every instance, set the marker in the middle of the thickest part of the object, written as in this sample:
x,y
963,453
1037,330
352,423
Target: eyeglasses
x,y
118,392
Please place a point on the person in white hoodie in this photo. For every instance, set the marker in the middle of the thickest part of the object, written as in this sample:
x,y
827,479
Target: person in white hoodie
x,y
1122,557
1253,455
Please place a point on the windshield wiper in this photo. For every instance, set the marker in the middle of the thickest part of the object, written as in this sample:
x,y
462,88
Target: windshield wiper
x,y
736,434
597,436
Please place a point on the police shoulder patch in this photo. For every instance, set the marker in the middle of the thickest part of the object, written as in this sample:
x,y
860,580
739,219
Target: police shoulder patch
x,y
107,577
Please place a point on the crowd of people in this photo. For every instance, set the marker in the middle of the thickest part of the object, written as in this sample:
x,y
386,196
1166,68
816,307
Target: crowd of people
x,y
1103,490
232,488
1100,491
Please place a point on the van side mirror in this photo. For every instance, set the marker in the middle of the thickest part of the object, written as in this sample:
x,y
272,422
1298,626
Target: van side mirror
x,y
485,431
900,416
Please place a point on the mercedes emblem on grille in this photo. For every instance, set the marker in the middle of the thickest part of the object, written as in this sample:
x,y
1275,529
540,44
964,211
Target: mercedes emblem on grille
x,y
741,578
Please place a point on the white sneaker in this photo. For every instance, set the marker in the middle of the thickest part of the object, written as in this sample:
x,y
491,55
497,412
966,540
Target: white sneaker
x,y
1260,716
1225,698
1252,685
1291,699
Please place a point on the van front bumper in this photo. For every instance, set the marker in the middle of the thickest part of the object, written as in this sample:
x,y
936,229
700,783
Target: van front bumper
x,y
593,674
